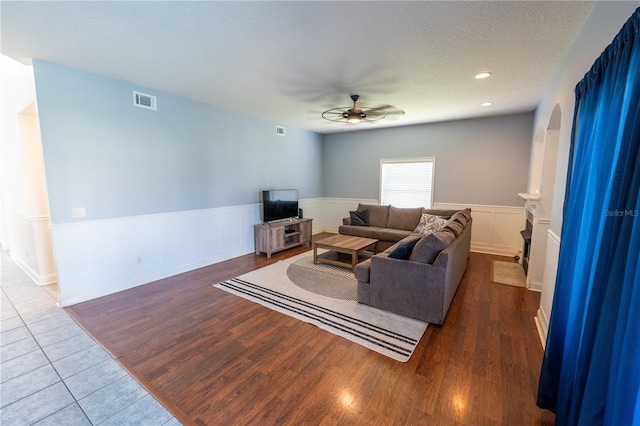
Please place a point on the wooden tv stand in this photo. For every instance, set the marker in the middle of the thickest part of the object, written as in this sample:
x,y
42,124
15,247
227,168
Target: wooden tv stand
x,y
281,235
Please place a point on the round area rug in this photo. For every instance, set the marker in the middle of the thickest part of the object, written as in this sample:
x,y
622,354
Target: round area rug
x,y
326,280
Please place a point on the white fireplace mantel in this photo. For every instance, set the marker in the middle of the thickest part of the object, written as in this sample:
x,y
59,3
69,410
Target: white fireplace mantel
x,y
532,201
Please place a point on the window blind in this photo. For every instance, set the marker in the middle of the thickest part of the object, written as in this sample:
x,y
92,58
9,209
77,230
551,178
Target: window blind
x,y
407,182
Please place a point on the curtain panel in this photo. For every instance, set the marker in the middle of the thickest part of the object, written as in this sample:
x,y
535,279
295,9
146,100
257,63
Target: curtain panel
x,y
591,367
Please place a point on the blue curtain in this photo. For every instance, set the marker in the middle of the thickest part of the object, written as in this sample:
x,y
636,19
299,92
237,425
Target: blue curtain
x,y
591,367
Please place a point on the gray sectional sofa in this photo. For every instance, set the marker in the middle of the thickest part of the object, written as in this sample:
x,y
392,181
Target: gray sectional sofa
x,y
412,274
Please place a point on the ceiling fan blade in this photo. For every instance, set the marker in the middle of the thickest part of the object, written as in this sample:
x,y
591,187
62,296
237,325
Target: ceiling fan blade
x,y
375,113
386,110
386,107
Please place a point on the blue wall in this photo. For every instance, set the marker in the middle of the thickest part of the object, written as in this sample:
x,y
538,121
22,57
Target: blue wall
x,y
479,161
118,160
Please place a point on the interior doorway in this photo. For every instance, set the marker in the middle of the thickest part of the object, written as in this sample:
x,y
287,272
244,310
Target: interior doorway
x,y
24,219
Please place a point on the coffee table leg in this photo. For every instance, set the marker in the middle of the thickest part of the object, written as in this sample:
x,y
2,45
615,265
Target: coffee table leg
x,y
315,254
354,260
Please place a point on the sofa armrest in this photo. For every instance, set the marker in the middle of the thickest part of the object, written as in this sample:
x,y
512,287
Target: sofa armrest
x,y
362,271
396,285
346,221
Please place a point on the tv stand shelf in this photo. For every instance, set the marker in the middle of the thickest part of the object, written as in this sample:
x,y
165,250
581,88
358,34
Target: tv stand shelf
x,y
277,236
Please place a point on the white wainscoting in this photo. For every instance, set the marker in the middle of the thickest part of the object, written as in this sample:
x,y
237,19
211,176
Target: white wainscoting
x,y
496,229
548,285
313,208
538,254
31,247
96,258
336,209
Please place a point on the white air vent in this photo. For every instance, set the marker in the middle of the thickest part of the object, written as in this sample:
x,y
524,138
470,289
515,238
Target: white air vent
x,y
280,131
144,101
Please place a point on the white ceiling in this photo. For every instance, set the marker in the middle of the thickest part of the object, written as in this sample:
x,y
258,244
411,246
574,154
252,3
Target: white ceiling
x,y
289,61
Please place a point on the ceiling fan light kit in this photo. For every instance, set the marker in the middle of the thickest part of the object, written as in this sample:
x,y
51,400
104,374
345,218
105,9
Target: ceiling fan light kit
x,y
482,75
357,114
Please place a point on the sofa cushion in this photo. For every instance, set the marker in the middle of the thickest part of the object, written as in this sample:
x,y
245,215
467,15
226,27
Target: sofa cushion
x,y
404,218
429,223
378,215
358,231
359,217
392,235
403,250
459,217
467,214
454,226
428,248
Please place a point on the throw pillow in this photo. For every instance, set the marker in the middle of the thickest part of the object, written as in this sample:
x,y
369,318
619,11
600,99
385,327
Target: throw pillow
x,y
378,215
459,217
359,217
455,227
404,249
428,248
429,223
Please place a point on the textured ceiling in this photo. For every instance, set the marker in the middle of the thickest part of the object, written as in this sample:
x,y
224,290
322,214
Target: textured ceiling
x,y
289,61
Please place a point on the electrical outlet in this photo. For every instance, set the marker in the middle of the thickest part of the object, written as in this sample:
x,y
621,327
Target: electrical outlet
x,y
78,212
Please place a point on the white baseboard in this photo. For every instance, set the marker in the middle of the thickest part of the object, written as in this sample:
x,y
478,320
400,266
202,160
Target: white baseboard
x,y
534,285
542,325
39,279
548,285
483,248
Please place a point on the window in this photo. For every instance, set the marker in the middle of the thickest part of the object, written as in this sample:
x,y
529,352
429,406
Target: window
x,y
407,182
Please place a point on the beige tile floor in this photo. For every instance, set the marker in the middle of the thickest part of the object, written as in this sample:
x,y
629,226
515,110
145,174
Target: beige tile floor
x,y
53,373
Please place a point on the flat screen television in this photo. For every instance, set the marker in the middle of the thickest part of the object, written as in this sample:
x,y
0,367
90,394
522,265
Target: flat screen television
x,y
279,204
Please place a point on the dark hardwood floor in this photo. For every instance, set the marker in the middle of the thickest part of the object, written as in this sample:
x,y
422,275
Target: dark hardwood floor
x,y
213,358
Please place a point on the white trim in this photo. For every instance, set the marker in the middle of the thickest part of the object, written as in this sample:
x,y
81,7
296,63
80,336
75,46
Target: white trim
x,y
546,296
534,285
554,237
542,325
152,216
39,279
99,257
31,218
543,220
496,229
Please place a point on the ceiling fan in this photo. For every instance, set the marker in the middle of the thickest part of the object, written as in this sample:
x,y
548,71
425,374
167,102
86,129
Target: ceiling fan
x,y
358,114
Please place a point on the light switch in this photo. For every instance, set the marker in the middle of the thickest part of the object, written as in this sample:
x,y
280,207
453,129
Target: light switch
x,y
78,212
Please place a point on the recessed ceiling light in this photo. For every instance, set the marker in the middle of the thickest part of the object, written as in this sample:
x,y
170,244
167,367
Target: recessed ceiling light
x,y
482,75
486,104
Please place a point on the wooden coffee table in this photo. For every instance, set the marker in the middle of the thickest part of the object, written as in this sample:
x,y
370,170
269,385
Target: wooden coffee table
x,y
344,250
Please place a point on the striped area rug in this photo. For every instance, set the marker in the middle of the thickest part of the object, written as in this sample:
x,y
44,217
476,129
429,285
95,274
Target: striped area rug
x,y
389,334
